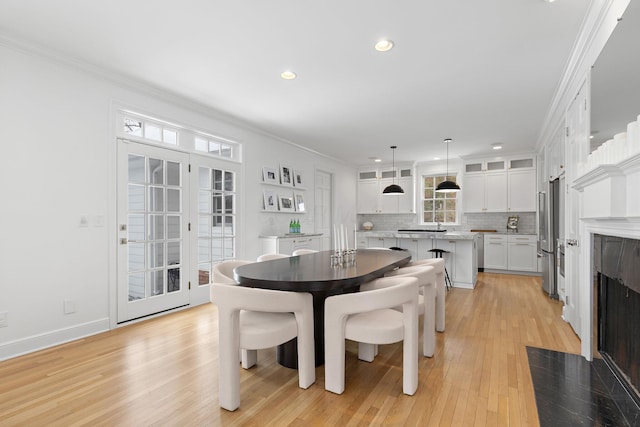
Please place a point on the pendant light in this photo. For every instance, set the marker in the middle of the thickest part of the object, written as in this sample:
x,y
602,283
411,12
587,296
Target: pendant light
x,y
447,186
393,189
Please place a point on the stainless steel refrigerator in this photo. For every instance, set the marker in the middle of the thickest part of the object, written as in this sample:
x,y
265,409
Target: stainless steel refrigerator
x,y
548,223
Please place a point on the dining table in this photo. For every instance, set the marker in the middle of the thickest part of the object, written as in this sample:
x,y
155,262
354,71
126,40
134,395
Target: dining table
x,y
318,274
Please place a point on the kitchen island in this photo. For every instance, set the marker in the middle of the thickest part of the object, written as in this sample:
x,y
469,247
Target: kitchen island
x,y
461,262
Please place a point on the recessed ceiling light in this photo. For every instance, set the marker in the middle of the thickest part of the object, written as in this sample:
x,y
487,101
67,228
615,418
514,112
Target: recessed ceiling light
x,y
377,160
497,146
591,136
288,75
436,158
384,45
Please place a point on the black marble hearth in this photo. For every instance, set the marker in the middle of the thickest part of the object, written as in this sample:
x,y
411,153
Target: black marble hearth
x,y
571,391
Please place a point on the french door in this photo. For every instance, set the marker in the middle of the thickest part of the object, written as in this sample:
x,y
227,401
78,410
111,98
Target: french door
x,y
177,218
153,230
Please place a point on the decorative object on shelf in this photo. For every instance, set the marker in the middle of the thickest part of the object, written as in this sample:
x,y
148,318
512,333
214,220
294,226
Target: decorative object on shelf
x,y
286,175
299,201
393,189
298,178
294,227
269,175
447,186
512,223
270,200
286,202
367,226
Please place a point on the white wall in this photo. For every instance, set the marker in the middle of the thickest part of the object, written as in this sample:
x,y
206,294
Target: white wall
x,y
58,163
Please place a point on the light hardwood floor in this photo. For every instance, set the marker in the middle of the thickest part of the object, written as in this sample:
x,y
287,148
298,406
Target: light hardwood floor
x,y
164,372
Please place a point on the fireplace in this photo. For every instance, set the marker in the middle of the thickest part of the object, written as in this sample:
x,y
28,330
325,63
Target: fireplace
x,y
616,263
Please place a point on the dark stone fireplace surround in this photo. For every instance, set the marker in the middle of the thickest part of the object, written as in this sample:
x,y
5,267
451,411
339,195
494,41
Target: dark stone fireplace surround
x,y
616,263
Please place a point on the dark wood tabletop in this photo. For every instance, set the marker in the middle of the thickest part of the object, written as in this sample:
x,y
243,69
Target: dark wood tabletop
x,y
313,273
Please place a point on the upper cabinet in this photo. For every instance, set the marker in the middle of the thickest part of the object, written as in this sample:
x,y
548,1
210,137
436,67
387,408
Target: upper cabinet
x,y
555,156
500,185
485,186
371,183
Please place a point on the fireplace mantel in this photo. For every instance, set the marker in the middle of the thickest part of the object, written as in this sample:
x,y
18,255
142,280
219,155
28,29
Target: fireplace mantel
x,y
611,191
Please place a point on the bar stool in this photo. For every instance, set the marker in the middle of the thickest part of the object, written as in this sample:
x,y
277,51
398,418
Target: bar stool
x,y
438,254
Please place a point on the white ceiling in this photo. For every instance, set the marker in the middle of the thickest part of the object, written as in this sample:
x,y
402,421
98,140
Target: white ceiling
x,y
476,71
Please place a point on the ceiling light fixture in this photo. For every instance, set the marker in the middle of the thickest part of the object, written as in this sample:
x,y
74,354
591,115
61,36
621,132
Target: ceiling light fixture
x,y
393,189
288,75
497,146
447,186
384,45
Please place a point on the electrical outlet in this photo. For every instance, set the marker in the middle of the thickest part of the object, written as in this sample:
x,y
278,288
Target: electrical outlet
x,y
69,306
4,319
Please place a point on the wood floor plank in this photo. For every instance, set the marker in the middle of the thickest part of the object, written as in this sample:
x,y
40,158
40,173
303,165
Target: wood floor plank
x,y
164,372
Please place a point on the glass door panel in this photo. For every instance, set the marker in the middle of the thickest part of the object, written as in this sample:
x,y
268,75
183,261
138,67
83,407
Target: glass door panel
x,y
153,235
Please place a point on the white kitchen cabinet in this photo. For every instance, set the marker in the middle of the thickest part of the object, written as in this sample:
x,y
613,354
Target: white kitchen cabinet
x,y
381,242
522,184
522,253
485,186
419,248
287,244
372,182
555,156
513,252
522,190
495,251
461,261
500,185
368,196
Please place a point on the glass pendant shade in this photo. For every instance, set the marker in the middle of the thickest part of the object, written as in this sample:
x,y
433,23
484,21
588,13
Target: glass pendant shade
x,y
393,189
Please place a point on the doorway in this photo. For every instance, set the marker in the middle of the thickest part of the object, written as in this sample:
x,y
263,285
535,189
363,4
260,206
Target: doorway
x,y
177,218
323,206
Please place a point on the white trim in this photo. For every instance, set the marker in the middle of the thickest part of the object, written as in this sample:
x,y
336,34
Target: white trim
x,y
598,24
33,343
627,228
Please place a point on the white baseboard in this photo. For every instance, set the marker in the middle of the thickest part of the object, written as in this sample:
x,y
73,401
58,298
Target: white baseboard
x,y
33,343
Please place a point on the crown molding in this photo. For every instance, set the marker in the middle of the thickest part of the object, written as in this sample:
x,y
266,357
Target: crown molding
x,y
600,21
61,58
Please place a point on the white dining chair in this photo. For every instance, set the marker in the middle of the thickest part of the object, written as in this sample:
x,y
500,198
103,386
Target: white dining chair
x,y
253,319
303,252
426,303
441,290
369,317
268,257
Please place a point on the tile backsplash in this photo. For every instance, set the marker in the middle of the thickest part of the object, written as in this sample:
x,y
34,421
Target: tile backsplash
x,y
486,221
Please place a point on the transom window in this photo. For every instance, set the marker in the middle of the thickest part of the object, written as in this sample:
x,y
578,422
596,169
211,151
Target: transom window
x,y
214,146
139,127
438,207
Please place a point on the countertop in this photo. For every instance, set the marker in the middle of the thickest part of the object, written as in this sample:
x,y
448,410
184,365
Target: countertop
x,y
290,236
451,235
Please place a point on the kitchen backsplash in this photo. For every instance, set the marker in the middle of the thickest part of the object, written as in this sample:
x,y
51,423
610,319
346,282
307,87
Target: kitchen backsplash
x,y
485,221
